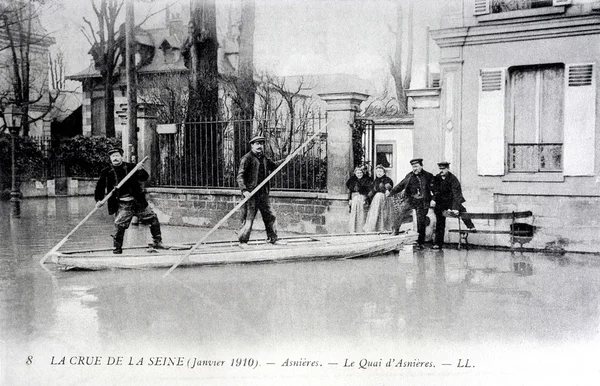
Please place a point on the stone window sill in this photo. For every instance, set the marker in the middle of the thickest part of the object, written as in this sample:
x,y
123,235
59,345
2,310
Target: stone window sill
x,y
533,177
521,13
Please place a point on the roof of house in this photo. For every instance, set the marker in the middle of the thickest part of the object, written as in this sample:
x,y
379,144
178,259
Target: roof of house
x,y
157,38
66,103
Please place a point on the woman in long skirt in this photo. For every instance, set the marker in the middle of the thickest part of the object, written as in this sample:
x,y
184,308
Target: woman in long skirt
x,y
380,211
359,186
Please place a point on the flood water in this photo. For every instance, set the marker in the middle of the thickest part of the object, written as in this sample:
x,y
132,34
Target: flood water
x,y
518,318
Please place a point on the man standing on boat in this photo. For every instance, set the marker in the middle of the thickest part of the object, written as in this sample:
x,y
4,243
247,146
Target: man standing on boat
x,y
255,166
447,194
417,187
128,201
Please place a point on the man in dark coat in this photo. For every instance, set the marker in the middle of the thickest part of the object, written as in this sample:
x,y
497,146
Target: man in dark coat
x,y
255,166
447,194
417,186
128,201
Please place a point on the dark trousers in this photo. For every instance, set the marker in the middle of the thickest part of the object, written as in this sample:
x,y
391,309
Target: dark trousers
x,y
126,211
255,203
421,223
440,222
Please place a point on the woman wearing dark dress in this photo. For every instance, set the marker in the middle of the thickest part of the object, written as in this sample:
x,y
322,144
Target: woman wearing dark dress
x,y
359,186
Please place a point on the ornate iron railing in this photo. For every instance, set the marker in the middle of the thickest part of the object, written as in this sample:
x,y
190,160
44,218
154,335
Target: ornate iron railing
x,y
516,5
535,157
207,154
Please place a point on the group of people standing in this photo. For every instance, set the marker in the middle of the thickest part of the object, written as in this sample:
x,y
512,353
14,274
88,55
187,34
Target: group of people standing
x,y
379,205
375,204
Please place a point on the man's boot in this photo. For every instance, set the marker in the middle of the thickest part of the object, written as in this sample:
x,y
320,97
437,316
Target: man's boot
x,y
118,240
156,235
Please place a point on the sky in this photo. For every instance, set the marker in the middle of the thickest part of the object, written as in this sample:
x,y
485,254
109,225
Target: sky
x,y
292,37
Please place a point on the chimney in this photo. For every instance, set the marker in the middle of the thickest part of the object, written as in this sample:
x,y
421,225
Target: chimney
x,y
174,24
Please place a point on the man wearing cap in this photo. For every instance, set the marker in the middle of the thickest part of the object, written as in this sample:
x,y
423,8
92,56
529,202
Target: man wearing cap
x,y
447,194
417,187
255,166
128,201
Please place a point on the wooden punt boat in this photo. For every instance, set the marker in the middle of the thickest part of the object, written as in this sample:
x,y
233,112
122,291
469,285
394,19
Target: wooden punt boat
x,y
313,247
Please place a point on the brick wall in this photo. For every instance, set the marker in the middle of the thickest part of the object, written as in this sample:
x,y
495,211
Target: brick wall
x,y
295,211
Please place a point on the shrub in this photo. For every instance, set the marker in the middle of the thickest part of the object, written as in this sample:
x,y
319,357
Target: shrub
x,y
29,160
85,156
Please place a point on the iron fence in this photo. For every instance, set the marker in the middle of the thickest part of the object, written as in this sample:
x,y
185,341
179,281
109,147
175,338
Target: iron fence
x,y
363,144
49,166
535,157
207,154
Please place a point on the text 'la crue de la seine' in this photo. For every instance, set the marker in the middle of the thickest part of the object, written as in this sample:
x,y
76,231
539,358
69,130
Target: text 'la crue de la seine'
x,y
252,363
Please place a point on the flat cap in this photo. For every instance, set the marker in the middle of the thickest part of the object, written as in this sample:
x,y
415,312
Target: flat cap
x,y
257,138
444,164
115,150
416,161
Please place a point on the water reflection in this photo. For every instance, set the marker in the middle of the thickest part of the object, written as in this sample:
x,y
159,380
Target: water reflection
x,y
409,299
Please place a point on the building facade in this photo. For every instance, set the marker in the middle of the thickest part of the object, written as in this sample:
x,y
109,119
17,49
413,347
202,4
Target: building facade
x,y
519,117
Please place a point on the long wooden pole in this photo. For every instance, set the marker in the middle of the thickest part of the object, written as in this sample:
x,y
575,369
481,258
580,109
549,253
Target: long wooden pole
x,y
98,205
239,205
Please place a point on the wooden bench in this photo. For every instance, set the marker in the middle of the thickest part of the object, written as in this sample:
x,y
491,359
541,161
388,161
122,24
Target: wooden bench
x,y
519,232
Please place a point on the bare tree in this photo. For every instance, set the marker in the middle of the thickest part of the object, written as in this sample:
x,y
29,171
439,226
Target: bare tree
x,y
284,112
200,54
169,93
396,65
57,70
25,69
290,96
245,87
106,52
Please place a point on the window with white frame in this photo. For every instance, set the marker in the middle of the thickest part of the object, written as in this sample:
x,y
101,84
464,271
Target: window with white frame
x,y
537,119
483,7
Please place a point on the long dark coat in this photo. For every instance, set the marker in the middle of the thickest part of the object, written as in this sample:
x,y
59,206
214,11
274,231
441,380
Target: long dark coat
x,y
447,192
248,173
415,185
111,176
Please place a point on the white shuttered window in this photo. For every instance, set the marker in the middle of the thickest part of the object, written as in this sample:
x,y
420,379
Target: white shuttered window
x,y
490,122
580,120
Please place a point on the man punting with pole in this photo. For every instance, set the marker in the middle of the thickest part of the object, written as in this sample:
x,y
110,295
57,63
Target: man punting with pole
x,y
127,201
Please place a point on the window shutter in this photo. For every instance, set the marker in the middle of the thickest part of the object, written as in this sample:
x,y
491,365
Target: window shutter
x,y
558,3
580,120
482,7
490,122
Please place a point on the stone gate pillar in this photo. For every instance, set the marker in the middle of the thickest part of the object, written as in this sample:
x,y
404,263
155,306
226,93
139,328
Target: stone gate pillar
x,y
341,109
147,139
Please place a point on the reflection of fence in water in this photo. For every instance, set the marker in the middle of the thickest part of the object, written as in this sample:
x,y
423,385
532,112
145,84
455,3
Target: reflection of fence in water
x,y
205,154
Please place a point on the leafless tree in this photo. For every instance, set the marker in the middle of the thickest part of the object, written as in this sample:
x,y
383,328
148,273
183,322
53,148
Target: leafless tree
x,y
106,52
402,77
284,112
200,53
25,69
169,93
57,70
107,42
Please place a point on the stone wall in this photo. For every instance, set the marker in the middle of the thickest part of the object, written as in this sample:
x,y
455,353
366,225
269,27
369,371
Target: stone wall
x,y
299,212
563,223
65,186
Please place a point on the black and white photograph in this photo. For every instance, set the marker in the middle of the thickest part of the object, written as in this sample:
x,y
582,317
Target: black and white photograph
x,y
299,192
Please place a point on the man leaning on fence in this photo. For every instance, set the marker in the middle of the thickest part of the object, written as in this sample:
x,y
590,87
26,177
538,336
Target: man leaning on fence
x,y
447,194
255,167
